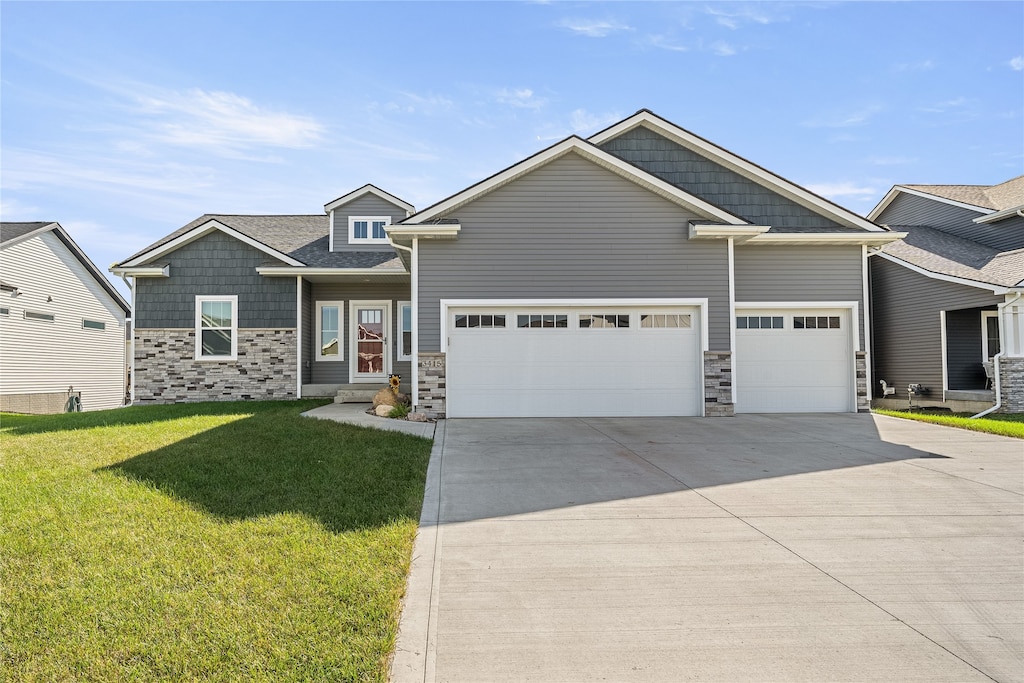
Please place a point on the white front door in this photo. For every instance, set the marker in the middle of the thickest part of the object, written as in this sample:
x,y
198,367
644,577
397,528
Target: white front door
x,y
370,358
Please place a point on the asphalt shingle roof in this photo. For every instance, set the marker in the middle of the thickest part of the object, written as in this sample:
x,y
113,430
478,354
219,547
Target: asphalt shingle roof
x,y
12,231
1005,195
946,254
303,237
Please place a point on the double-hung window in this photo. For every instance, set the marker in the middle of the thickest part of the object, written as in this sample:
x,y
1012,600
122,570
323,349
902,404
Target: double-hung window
x,y
405,338
367,229
217,327
328,330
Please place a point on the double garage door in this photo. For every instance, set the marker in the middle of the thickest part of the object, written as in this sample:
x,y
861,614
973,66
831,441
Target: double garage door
x,y
614,360
579,361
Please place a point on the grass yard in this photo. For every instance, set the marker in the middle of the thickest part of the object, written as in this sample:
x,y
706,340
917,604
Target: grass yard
x,y
214,541
1003,424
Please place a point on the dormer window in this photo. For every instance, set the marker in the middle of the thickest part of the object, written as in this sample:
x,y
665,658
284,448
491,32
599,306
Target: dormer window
x,y
367,229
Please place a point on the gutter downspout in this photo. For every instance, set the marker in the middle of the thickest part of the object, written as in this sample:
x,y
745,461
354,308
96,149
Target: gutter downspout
x,y
414,300
131,361
998,357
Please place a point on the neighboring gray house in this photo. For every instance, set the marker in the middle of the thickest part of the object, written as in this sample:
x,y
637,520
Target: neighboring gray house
x,y
946,300
642,271
62,324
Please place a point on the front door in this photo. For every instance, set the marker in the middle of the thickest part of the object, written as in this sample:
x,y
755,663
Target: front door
x,y
370,357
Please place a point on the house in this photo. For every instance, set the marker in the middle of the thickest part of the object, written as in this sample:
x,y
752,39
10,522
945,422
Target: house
x,y
641,271
62,324
946,299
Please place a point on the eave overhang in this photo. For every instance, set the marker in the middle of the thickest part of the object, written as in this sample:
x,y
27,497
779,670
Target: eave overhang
x,y
369,189
716,231
201,231
142,271
1000,215
995,289
314,274
404,234
826,238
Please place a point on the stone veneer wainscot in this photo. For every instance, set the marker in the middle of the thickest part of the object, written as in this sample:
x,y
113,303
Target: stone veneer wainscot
x,y
1011,385
718,384
431,393
167,371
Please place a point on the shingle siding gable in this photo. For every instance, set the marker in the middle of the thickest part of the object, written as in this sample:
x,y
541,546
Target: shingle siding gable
x,y
710,181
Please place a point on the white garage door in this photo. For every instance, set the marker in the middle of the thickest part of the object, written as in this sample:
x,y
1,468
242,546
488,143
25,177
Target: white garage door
x,y
573,362
794,361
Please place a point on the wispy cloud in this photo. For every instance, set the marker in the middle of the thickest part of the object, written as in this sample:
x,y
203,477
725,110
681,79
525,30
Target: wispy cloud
x,y
945,105
580,122
1017,63
843,189
594,28
15,210
665,43
722,49
223,122
745,14
522,98
923,65
856,117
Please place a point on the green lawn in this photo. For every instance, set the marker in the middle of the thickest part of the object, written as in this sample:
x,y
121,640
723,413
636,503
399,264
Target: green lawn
x,y
1004,424
216,541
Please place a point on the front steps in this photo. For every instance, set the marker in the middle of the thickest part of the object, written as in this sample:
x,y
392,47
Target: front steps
x,y
356,393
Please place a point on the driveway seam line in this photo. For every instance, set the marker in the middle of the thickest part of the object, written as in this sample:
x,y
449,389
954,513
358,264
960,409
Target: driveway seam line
x,y
793,552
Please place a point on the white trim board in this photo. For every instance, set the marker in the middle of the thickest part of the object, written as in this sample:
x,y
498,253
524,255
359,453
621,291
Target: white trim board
x,y
369,189
445,304
592,153
200,231
995,289
891,195
735,163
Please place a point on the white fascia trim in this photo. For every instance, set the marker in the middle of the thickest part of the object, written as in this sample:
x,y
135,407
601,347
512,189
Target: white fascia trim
x,y
592,153
738,164
741,233
425,231
868,346
829,237
29,235
201,230
143,271
446,304
330,230
995,289
1000,215
287,271
897,189
369,189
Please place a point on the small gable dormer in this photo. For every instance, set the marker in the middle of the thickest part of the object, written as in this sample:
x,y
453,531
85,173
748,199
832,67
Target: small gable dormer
x,y
358,220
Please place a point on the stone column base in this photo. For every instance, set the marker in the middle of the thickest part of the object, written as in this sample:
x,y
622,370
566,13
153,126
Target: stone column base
x,y
1011,385
718,384
863,397
430,398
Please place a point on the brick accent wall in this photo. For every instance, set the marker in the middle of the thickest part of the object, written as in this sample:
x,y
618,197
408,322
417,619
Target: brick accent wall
x,y
431,392
166,370
718,384
1011,384
863,395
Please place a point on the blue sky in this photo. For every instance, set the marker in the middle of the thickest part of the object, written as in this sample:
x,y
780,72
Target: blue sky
x,y
123,121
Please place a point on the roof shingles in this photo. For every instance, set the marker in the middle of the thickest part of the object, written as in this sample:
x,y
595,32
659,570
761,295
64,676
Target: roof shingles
x,y
946,254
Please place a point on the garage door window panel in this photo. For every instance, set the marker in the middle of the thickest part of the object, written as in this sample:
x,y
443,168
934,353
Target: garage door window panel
x,y
816,322
487,321
604,320
759,322
542,320
659,321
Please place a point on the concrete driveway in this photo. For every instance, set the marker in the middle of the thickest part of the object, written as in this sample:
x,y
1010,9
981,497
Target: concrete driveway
x,y
754,548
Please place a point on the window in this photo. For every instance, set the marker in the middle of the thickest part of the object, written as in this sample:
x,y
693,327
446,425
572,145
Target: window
x,y
216,327
367,229
542,320
405,330
665,320
595,320
94,325
488,321
989,334
328,330
816,322
33,315
5,311
759,322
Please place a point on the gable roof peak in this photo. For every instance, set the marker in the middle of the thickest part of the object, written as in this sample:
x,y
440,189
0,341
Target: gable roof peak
x,y
369,188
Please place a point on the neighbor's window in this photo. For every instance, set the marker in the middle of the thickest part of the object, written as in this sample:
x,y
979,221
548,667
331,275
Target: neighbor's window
x,y
216,327
5,311
759,322
405,336
598,320
33,315
367,229
665,320
328,330
816,322
94,325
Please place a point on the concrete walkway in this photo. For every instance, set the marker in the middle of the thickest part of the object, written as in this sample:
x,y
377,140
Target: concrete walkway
x,y
755,548
355,413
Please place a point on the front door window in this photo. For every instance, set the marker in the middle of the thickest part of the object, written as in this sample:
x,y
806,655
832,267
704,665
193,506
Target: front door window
x,y
370,341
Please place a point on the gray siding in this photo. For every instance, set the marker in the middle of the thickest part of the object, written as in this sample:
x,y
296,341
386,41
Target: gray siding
x,y
710,181
963,349
906,327
336,372
802,273
215,264
308,331
367,205
908,209
571,229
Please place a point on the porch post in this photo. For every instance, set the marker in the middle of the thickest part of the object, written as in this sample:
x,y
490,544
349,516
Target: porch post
x,y
1011,343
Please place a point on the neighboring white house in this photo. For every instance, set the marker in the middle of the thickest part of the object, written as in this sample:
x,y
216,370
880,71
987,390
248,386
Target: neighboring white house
x,y
62,324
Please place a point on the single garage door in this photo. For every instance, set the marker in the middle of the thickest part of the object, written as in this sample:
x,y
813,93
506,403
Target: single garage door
x,y
794,361
573,362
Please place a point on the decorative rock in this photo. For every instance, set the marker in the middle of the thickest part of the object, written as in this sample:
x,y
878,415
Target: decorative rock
x,y
385,397
416,417
383,410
